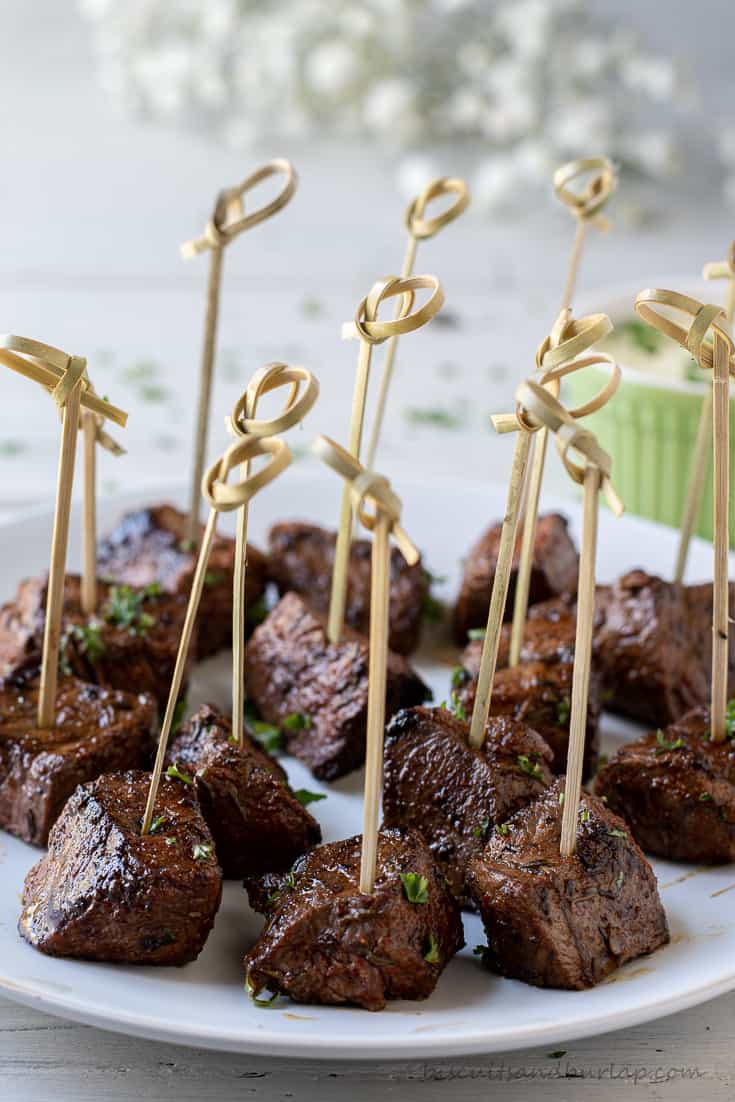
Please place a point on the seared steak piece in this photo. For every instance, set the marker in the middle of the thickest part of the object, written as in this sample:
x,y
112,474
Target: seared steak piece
x,y
326,942
565,921
294,674
96,730
676,790
301,557
538,692
257,823
132,639
554,571
454,795
148,546
106,892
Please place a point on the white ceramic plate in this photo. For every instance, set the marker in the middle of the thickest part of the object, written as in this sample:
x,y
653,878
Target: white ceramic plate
x,y
471,1011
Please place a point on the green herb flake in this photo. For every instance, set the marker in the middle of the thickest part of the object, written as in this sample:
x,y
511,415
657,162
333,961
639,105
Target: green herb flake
x,y
124,607
481,830
616,832
476,634
460,677
663,746
563,711
213,578
730,719
431,609
434,417
705,797
179,713
562,797
296,722
305,797
556,1054
267,735
176,774
89,637
602,762
201,851
170,841
585,815
256,997
502,828
416,887
432,955
532,768
258,611
10,448
157,823
643,336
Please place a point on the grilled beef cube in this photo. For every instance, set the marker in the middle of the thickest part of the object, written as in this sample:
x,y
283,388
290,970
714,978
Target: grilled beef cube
x,y
327,942
538,691
455,795
106,892
96,730
294,674
554,571
565,922
148,546
257,823
132,640
676,790
301,557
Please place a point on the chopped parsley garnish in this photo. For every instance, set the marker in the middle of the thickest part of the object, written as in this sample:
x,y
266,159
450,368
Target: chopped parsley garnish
x,y
269,736
474,634
177,775
201,851
663,745
531,767
415,886
563,711
585,815
179,713
89,637
502,828
557,1054
481,830
437,417
124,607
602,762
296,722
256,996
460,677
431,609
730,719
562,797
170,841
258,611
616,832
213,578
305,797
705,797
432,955
157,823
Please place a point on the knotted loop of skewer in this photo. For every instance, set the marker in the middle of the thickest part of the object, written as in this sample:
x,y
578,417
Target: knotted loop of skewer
x,y
705,316
570,436
57,372
561,354
370,329
367,486
303,393
422,228
721,269
225,497
586,203
222,227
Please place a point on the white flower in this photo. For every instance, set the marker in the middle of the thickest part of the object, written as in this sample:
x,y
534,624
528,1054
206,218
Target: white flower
x,y
654,76
495,182
330,67
414,173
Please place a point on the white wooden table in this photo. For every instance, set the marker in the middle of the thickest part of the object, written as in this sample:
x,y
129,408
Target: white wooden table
x,y
93,210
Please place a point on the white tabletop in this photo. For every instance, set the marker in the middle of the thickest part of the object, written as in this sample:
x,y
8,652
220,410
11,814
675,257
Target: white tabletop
x,y
93,210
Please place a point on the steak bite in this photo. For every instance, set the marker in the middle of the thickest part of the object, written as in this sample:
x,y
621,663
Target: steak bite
x,y
676,790
454,795
96,730
257,823
301,558
317,691
149,546
538,691
104,891
326,942
553,571
131,641
565,922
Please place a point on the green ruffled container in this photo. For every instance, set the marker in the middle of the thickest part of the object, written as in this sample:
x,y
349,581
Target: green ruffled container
x,y
649,428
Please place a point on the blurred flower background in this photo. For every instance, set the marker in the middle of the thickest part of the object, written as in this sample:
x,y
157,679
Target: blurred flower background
x,y
525,84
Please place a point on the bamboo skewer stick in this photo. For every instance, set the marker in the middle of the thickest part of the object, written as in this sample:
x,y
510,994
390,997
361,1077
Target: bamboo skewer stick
x,y
564,362
64,377
419,228
715,354
370,332
243,424
724,269
222,498
227,222
365,485
585,205
93,434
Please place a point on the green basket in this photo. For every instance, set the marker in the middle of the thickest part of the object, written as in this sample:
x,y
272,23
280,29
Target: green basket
x,y
650,430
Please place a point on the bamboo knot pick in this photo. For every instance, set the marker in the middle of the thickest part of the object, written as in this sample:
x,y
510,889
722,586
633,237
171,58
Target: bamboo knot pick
x,y
714,354
368,328
587,202
223,227
422,228
364,484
